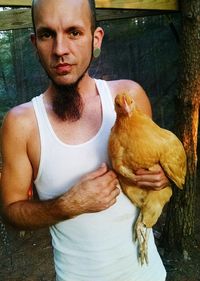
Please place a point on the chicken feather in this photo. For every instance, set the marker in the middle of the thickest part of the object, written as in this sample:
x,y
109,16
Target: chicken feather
x,y
137,142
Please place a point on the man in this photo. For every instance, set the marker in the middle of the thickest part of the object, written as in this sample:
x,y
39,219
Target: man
x,y
59,141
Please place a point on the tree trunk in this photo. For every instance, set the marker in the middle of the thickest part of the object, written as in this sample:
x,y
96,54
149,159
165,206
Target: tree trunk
x,y
180,219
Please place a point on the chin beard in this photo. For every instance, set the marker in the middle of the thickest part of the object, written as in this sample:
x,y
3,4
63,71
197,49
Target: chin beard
x,y
67,101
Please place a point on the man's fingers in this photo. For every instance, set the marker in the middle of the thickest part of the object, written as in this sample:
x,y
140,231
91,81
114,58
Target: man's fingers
x,y
148,178
113,196
116,190
158,184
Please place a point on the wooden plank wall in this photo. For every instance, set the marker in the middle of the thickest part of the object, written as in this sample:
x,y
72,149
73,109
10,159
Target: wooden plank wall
x,y
106,9
120,4
142,4
15,19
21,3
21,18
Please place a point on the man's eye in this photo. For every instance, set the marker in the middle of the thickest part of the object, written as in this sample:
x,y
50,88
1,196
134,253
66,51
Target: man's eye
x,y
45,35
74,33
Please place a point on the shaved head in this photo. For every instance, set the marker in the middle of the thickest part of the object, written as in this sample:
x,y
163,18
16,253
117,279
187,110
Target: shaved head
x,y
65,37
92,13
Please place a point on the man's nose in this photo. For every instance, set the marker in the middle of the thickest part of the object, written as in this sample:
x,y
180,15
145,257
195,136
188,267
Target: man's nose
x,y
61,45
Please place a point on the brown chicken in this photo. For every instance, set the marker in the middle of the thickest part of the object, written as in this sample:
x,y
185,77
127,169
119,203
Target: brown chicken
x,y
137,142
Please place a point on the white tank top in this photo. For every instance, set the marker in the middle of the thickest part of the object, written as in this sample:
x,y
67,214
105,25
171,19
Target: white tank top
x,y
96,246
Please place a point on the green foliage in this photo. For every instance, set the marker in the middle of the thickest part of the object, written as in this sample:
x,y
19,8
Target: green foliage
x,y
6,71
20,71
7,83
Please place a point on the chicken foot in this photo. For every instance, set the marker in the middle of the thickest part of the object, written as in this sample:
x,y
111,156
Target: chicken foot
x,y
142,235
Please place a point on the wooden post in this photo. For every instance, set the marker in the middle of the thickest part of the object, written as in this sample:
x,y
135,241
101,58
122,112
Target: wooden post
x,y
180,221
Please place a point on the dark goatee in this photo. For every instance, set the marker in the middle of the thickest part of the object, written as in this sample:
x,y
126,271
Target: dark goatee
x,y
67,102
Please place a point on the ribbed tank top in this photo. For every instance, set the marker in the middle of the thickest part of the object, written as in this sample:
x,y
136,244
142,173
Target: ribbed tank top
x,y
96,246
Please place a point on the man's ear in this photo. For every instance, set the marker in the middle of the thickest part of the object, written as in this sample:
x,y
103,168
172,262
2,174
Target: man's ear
x,y
98,37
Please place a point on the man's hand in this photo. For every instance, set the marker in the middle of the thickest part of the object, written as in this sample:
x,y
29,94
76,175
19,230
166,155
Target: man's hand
x,y
154,178
95,192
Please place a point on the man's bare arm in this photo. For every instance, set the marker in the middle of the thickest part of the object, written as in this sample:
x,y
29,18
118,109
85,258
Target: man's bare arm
x,y
95,192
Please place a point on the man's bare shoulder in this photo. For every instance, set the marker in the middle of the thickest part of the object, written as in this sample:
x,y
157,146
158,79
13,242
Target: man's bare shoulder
x,y
134,89
21,111
20,117
123,85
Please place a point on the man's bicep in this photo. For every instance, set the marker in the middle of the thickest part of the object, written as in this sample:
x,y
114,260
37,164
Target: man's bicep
x,y
15,183
17,170
142,100
134,89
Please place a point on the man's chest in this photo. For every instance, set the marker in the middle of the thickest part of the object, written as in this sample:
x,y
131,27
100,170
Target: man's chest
x,y
67,132
82,130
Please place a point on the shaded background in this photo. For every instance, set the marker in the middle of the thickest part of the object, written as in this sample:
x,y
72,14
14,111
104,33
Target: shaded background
x,y
143,49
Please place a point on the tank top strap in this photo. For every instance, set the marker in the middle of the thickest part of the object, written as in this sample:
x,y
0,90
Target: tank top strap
x,y
40,115
105,94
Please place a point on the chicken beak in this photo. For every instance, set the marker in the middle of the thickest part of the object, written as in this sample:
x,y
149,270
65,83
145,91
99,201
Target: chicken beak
x,y
126,107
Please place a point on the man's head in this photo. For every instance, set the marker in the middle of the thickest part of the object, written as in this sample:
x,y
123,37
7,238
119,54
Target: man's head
x,y
65,37
92,12
65,31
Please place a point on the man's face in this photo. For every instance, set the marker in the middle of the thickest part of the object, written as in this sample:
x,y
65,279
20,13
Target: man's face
x,y
63,38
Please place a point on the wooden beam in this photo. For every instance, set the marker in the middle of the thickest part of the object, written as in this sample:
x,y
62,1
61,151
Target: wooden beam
x,y
19,3
113,4
15,19
112,14
21,18
138,4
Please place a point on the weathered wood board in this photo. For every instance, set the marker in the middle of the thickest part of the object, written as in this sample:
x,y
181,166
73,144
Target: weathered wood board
x,y
120,4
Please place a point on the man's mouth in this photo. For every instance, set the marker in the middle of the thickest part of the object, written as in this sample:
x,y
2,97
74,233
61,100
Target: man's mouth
x,y
63,68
